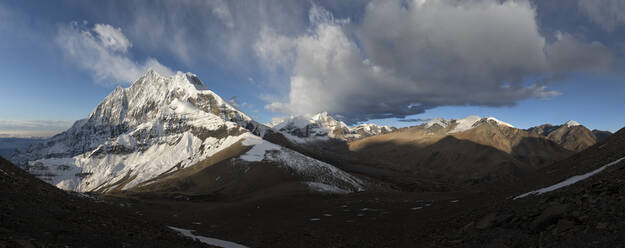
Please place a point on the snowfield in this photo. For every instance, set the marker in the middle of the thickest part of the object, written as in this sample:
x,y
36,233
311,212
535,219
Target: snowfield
x,y
569,181
326,177
206,240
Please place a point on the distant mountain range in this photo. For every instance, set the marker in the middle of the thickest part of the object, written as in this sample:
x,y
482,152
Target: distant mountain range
x,y
322,126
172,134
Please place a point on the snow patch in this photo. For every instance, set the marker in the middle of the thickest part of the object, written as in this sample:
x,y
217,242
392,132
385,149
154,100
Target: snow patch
x,y
499,122
260,147
465,124
321,187
572,123
106,169
437,121
569,181
206,240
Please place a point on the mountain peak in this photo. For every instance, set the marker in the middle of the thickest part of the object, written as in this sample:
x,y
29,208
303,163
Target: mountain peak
x,y
323,117
572,123
465,124
499,122
179,80
155,114
151,72
437,121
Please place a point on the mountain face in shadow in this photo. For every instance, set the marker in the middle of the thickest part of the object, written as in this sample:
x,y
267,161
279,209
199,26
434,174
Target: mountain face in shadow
x,y
570,135
480,154
36,214
586,213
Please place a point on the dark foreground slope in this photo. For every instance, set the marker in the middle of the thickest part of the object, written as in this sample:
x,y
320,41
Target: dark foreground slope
x,y
590,213
36,214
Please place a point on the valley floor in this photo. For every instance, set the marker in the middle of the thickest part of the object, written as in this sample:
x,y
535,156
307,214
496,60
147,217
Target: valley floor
x,y
590,213
356,220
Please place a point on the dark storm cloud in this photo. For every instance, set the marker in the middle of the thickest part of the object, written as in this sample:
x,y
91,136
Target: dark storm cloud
x,y
414,120
407,57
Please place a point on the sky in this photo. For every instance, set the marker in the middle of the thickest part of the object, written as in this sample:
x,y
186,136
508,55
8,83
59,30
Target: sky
x,y
392,62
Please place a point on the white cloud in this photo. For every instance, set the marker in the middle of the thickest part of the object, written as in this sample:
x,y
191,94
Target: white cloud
x,y
222,11
32,128
103,50
112,37
609,14
275,50
405,58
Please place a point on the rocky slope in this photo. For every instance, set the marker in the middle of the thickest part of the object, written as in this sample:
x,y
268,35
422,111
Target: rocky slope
x,y
588,213
601,135
35,214
158,127
470,150
570,135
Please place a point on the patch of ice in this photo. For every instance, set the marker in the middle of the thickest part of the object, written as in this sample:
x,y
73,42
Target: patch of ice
x,y
321,187
206,240
569,181
315,219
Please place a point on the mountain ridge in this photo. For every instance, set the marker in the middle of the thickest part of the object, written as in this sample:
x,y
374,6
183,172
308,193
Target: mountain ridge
x,y
157,126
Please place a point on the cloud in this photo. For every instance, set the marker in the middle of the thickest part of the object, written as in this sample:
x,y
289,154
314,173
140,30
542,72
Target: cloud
x,y
103,50
32,128
34,124
609,14
112,38
406,57
237,104
414,120
569,54
234,102
213,32
220,9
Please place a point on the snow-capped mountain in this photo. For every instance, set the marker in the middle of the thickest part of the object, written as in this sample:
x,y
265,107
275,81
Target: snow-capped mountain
x,y
450,126
156,127
572,123
304,128
322,126
471,150
571,135
368,129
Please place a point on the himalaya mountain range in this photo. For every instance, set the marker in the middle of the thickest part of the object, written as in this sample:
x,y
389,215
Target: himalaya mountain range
x,y
160,126
167,140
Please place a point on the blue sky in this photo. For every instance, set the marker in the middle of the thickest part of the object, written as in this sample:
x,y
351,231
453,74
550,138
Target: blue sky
x,y
523,62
